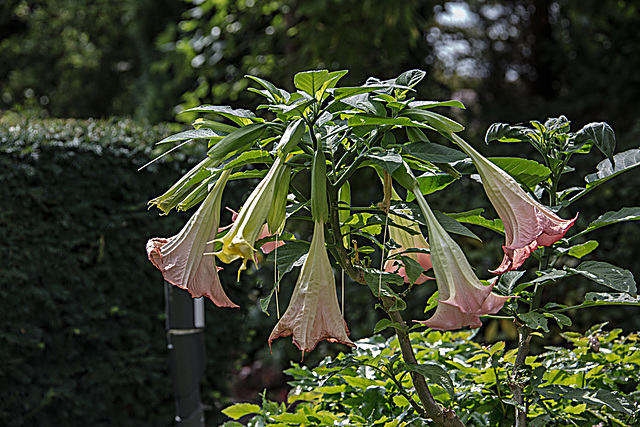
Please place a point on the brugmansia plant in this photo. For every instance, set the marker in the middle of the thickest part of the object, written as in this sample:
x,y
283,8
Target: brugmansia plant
x,y
332,133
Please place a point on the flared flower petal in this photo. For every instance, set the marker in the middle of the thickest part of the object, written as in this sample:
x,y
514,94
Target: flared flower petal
x,y
181,258
313,313
527,224
462,297
406,241
239,242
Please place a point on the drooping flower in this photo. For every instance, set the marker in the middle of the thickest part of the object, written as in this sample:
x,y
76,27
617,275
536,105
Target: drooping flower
x,y
407,240
313,313
462,297
181,258
527,224
239,242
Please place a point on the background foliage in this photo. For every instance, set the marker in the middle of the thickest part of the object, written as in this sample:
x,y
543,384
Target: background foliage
x,y
83,337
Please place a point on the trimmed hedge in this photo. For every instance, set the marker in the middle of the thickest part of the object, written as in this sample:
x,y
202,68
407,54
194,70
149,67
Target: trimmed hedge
x,y
82,340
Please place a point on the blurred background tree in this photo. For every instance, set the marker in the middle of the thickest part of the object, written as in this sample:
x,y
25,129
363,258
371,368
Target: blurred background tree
x,y
508,61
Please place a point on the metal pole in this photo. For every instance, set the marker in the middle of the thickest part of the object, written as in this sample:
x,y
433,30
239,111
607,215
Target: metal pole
x,y
185,342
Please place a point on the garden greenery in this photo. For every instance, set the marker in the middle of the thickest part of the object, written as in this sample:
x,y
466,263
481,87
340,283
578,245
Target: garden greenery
x,y
328,134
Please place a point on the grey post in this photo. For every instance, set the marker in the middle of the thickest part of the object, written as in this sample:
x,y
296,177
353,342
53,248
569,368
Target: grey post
x,y
185,342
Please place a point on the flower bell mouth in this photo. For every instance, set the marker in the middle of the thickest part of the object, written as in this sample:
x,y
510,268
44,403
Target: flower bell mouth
x,y
181,258
462,297
527,224
313,313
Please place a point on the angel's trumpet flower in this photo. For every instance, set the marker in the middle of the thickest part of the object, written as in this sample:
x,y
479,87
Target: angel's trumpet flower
x,y
181,258
313,313
527,224
462,297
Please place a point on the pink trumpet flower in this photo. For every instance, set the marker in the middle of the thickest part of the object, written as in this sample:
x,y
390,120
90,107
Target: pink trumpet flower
x,y
313,313
406,241
181,258
527,224
462,297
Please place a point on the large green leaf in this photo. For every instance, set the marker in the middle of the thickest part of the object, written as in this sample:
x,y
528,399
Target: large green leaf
x,y
608,275
203,133
238,140
435,373
526,172
430,152
431,104
314,83
453,226
601,135
290,255
624,214
623,162
475,217
387,160
431,182
438,121
240,116
372,120
503,132
610,298
411,78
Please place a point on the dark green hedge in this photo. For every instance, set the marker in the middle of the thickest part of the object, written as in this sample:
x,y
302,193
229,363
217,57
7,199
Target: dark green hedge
x,y
82,338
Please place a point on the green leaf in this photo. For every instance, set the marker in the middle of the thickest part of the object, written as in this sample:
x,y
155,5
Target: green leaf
x,y
623,162
596,397
386,323
377,281
535,320
347,92
580,250
601,134
431,104
290,255
203,133
249,157
624,214
291,137
239,410
431,182
238,140
475,217
435,373
240,116
610,298
508,281
270,87
373,120
526,172
453,226
387,160
435,153
310,81
438,121
608,275
503,132
410,78
413,268
561,319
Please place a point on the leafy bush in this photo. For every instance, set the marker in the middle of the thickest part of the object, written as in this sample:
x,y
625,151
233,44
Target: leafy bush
x,y
578,384
82,338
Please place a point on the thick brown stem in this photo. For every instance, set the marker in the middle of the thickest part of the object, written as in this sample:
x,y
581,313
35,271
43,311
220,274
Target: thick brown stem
x,y
518,384
441,416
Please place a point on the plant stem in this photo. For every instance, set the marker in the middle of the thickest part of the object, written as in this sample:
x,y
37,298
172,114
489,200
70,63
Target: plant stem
x,y
516,385
441,416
